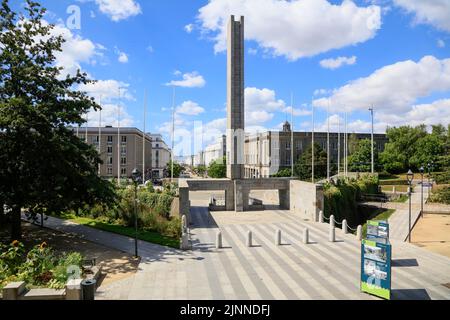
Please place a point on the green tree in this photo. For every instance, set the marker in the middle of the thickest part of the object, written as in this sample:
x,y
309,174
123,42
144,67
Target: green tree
x,y
401,148
283,173
43,165
218,169
361,158
177,169
200,170
302,168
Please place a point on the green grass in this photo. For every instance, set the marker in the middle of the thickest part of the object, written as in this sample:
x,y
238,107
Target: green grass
x,y
384,216
402,199
149,236
398,188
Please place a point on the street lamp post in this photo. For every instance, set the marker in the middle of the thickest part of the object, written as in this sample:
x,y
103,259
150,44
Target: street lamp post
x,y
421,191
136,175
410,178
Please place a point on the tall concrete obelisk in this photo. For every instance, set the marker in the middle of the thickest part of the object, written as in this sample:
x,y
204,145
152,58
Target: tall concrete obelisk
x,y
235,100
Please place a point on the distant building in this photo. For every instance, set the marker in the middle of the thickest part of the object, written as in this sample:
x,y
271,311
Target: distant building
x,y
199,159
161,155
215,151
267,153
119,162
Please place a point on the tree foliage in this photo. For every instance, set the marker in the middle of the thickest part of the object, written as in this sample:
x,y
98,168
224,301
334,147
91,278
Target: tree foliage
x,y
43,165
177,169
218,169
413,147
302,168
361,158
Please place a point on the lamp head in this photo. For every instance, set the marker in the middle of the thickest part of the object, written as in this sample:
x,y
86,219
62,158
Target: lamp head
x,y
410,176
136,175
421,170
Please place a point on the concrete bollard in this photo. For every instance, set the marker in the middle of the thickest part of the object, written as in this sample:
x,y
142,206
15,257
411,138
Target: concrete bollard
x,y
332,223
278,238
184,242
249,239
219,240
184,223
73,289
393,190
332,234
359,233
344,226
306,236
320,217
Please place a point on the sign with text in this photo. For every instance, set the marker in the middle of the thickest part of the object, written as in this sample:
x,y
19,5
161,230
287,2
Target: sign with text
x,y
378,231
376,268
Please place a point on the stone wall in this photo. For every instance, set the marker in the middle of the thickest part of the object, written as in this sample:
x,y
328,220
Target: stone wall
x,y
306,198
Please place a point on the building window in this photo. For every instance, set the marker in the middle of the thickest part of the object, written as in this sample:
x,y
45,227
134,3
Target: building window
x,y
157,145
123,150
110,171
123,171
110,139
124,139
123,160
95,139
110,150
110,160
288,145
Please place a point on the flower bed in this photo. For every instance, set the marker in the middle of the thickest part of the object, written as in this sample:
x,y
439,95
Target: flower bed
x,y
39,267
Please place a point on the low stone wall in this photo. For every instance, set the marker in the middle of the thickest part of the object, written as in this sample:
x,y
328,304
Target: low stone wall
x,y
306,198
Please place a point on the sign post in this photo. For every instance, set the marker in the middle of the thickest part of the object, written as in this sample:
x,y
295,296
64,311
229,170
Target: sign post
x,y
376,257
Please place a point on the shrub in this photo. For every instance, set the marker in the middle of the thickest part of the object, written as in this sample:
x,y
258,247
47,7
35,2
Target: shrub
x,y
41,266
441,196
341,199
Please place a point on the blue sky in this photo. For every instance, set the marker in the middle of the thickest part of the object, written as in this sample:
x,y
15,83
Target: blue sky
x,y
394,54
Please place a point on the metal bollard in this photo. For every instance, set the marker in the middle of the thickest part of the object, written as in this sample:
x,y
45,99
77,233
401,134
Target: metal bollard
x,y
306,236
219,240
332,223
88,288
359,232
320,217
332,235
278,238
344,226
249,239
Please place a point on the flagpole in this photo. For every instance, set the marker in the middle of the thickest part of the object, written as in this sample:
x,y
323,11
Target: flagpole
x,y
328,141
100,135
118,138
144,137
339,145
173,133
292,135
312,146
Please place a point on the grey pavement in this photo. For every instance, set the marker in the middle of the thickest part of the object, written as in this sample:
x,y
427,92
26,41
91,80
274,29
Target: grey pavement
x,y
319,270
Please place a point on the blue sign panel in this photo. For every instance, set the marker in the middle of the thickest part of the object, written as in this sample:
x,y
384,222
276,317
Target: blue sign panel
x,y
376,268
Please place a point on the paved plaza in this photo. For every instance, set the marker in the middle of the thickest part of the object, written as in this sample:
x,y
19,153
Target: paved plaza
x,y
319,270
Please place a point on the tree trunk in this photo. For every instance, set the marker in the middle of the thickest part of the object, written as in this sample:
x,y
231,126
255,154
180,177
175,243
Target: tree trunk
x,y
16,227
2,215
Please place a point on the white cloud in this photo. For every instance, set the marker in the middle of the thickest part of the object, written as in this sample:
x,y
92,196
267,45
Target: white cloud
x,y
433,12
298,112
107,90
338,62
252,51
190,80
119,9
321,92
294,29
257,117
75,50
440,43
123,57
189,28
190,108
109,115
262,100
393,88
150,49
